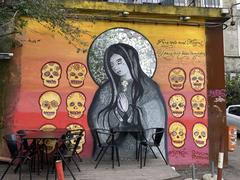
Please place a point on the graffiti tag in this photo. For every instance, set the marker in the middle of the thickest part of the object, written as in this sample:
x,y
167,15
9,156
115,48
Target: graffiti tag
x,y
219,95
178,153
199,155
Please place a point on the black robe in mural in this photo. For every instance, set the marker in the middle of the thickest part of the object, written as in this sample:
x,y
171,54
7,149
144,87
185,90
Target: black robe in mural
x,y
150,112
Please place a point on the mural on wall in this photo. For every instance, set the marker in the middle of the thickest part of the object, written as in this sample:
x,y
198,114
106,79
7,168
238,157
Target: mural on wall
x,y
49,103
51,74
76,104
76,73
128,98
132,76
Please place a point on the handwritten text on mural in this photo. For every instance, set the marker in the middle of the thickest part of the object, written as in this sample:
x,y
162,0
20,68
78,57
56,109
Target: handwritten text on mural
x,y
170,49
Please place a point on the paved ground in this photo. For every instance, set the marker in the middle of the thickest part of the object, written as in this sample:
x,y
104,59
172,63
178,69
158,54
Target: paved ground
x,y
129,170
232,172
155,169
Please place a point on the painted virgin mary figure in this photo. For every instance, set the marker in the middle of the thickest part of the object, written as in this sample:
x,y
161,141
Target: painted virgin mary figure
x,y
129,98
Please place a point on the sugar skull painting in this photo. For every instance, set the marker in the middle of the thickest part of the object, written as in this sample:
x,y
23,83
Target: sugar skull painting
x,y
50,74
198,104
177,132
76,73
197,79
177,104
177,78
200,135
49,103
76,104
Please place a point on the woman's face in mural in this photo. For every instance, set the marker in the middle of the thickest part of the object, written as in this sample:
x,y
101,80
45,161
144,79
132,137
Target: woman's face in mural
x,y
119,65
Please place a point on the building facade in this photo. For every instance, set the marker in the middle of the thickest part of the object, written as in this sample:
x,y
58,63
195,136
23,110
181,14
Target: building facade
x,y
142,65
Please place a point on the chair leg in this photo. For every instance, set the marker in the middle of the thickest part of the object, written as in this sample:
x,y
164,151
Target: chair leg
x,y
76,164
64,162
100,158
80,159
117,153
112,156
17,167
20,171
153,152
42,152
34,162
54,159
55,172
140,149
30,168
38,162
137,148
162,155
5,172
99,154
145,156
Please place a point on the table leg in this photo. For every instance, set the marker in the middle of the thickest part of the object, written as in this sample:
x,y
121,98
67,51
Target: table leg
x,y
137,148
47,161
140,149
112,156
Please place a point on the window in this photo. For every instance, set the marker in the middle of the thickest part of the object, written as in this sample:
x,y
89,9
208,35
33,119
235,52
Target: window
x,y
234,111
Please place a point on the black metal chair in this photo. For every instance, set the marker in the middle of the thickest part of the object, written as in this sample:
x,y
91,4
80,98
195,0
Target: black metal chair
x,y
109,137
154,141
74,134
16,153
68,149
31,148
70,144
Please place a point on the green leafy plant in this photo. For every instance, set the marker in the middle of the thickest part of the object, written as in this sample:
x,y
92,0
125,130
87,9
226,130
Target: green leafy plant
x,y
233,89
50,13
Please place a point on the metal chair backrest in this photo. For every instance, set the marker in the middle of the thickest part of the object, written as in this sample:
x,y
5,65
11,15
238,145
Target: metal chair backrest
x,y
72,140
78,139
21,134
102,132
157,136
11,141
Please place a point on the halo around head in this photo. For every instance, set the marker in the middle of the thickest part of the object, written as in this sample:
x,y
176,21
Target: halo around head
x,y
96,52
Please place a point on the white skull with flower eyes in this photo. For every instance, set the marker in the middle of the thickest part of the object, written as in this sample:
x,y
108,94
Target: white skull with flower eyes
x,y
49,103
76,104
177,133
177,105
198,103
177,78
197,79
200,134
51,73
76,73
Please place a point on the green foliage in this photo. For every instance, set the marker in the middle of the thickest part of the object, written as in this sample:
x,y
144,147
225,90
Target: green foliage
x,y
233,89
50,13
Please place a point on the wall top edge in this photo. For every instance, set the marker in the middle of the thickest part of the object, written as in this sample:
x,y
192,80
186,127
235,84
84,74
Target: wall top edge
x,y
148,10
